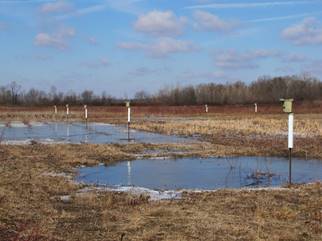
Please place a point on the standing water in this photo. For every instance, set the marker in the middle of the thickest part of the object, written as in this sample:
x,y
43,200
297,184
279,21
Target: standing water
x,y
210,173
97,133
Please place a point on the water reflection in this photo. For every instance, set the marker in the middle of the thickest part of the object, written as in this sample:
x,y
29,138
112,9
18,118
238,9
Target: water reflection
x,y
210,173
80,132
67,131
129,179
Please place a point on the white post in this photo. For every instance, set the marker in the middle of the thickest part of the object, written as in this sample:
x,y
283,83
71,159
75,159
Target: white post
x,y
85,112
290,130
55,109
255,107
206,107
290,144
67,110
85,115
128,114
128,122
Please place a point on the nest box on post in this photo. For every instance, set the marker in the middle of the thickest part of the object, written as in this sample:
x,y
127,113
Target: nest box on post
x,y
287,105
287,108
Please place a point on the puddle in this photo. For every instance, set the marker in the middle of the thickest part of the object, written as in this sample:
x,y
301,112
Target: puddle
x,y
97,133
201,174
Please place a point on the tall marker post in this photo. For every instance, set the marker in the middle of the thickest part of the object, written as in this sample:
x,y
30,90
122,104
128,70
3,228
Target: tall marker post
x,y
128,119
55,112
290,143
255,106
85,114
287,108
206,109
67,112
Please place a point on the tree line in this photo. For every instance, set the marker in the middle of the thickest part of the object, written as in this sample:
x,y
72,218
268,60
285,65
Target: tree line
x,y
13,94
263,90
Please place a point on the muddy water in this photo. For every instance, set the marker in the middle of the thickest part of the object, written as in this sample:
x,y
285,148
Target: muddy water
x,y
96,133
211,173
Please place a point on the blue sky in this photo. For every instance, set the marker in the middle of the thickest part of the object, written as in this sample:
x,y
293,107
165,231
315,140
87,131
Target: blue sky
x,y
122,46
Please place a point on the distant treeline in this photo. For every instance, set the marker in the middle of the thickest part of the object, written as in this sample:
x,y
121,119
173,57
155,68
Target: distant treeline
x,y
263,90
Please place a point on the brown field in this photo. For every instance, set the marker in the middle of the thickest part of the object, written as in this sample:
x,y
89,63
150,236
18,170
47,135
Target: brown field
x,y
37,202
97,112
259,134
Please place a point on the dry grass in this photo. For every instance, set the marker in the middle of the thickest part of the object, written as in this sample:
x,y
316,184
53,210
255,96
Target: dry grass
x,y
37,204
263,125
32,207
248,134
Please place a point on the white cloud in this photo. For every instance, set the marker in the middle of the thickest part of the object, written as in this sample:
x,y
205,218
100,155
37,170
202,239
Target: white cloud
x,y
142,71
160,23
287,69
203,76
92,41
163,47
309,31
210,22
100,63
83,11
56,7
126,6
294,58
233,59
285,17
132,45
41,57
247,5
57,40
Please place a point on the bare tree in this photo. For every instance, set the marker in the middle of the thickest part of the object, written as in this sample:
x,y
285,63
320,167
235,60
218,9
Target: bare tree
x,y
14,89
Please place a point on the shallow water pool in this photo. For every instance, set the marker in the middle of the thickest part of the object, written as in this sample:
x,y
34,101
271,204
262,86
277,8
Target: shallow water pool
x,y
205,174
96,133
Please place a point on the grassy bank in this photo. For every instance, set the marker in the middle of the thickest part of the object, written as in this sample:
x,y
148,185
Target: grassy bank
x,y
249,134
39,200
34,204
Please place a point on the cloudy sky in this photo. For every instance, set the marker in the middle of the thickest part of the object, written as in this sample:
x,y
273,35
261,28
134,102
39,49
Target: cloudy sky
x,y
122,46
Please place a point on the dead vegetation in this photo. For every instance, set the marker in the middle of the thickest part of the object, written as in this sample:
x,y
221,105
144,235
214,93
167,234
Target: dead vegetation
x,y
247,134
36,206
39,202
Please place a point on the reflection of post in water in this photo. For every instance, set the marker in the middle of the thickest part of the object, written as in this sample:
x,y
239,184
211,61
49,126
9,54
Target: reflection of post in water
x,y
67,130
56,128
129,174
268,164
240,175
232,172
